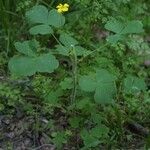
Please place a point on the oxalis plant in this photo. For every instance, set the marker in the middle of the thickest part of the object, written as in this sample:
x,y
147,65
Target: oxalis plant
x,y
100,85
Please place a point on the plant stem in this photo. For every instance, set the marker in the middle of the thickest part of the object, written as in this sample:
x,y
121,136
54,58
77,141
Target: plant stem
x,y
94,51
74,71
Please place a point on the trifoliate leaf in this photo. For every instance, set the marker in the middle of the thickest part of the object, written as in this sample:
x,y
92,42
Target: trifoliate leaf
x,y
122,29
40,15
41,29
27,47
133,85
103,85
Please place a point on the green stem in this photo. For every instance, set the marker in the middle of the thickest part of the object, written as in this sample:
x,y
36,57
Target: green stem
x,y
94,51
74,71
8,41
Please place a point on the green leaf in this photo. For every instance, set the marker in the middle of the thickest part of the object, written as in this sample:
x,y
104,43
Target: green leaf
x,y
38,14
84,104
53,97
2,107
121,29
97,118
99,131
89,141
104,93
27,66
46,63
80,51
103,85
67,40
75,121
59,139
22,66
55,19
105,89
134,26
27,47
103,76
115,38
133,85
66,84
41,29
114,26
62,50
87,84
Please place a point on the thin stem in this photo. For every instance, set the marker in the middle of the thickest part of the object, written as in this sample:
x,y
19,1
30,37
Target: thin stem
x,y
92,52
56,39
48,5
74,71
8,41
12,13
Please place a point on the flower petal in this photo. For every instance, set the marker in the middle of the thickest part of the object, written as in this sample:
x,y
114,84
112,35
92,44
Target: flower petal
x,y
66,5
64,9
59,6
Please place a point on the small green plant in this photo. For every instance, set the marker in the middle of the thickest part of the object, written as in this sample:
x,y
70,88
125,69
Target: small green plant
x,y
85,89
122,29
9,97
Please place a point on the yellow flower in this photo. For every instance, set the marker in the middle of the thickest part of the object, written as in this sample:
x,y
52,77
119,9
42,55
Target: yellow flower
x,y
62,8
